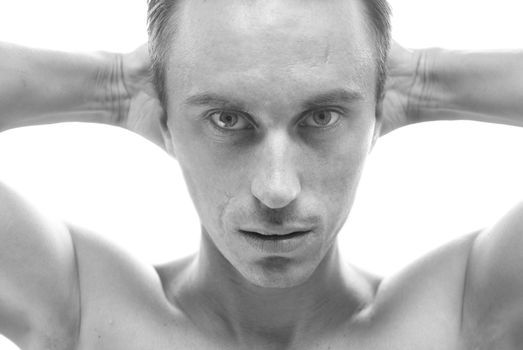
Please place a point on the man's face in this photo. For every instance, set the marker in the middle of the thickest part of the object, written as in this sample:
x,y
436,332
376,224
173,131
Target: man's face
x,y
271,116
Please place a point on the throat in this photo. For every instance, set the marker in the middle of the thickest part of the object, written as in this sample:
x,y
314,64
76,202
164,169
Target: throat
x,y
221,303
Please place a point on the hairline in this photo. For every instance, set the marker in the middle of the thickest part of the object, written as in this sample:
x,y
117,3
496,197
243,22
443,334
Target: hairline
x,y
164,32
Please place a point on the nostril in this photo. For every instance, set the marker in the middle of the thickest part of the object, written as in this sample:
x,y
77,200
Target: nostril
x,y
276,192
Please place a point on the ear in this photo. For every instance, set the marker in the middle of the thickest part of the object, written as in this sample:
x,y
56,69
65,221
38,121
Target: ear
x,y
167,137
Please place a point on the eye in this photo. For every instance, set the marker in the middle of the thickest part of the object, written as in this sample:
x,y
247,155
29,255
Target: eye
x,y
321,119
229,120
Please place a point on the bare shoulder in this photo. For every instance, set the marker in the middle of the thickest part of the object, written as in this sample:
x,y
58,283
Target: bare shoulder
x,y
471,288
39,291
109,273
122,298
100,259
494,287
422,303
438,272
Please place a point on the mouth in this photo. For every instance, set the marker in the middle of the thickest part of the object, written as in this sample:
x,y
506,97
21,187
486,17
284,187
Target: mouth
x,y
275,237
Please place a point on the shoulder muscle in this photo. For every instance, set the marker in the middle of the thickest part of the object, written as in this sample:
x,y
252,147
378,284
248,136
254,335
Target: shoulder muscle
x,y
39,290
494,291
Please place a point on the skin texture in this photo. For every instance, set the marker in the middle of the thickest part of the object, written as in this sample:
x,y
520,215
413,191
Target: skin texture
x,y
272,172
277,170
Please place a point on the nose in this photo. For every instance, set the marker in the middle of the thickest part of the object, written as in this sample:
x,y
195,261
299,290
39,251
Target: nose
x,y
276,183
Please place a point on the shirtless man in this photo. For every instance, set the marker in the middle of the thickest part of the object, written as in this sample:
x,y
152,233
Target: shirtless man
x,y
271,109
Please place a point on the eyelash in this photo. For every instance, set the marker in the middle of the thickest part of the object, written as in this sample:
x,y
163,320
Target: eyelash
x,y
209,120
308,114
305,115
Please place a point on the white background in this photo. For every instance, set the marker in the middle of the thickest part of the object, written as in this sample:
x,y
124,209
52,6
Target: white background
x,y
424,185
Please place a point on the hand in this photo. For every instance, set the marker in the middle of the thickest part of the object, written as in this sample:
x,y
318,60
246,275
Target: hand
x,y
406,86
144,109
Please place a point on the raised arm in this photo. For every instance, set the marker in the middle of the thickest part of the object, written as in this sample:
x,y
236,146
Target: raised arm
x,y
434,84
39,284
481,86
437,84
39,281
43,86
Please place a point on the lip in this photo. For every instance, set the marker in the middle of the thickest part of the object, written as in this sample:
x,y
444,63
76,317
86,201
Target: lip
x,y
275,236
267,231
278,242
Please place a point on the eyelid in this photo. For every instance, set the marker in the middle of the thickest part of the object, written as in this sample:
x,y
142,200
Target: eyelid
x,y
339,110
207,116
336,109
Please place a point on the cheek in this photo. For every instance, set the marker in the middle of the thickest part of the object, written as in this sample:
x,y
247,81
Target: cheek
x,y
335,177
213,176
339,181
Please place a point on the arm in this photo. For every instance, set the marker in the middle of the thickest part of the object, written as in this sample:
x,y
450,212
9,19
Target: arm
x,y
39,283
479,86
437,84
434,84
39,280
42,87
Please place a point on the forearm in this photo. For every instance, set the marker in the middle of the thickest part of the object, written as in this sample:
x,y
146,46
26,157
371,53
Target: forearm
x,y
40,87
485,86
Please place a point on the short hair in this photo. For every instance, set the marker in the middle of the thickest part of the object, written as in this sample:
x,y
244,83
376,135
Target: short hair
x,y
161,34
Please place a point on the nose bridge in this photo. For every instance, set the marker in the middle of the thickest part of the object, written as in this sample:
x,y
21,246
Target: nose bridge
x,y
276,182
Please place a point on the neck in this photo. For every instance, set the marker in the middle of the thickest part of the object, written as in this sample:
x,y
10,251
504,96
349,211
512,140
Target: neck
x,y
223,302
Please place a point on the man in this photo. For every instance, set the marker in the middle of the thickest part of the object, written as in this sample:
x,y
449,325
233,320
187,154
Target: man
x,y
271,108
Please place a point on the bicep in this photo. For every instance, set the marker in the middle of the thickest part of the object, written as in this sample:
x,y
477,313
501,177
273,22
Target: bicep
x,y
494,292
39,288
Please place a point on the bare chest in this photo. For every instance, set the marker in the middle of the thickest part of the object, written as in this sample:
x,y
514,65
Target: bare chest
x,y
124,307
133,327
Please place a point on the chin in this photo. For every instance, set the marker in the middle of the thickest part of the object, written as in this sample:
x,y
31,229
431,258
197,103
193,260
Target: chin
x,y
278,272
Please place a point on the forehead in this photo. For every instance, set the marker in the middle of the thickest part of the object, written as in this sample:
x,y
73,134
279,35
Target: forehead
x,y
291,45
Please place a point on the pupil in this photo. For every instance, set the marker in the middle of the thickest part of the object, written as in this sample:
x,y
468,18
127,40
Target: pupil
x,y
322,118
228,119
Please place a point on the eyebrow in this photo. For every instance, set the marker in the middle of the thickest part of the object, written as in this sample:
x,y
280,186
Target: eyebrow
x,y
332,97
320,100
215,100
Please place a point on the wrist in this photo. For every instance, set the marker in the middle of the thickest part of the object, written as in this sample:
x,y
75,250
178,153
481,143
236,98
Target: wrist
x,y
422,94
112,93
434,95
